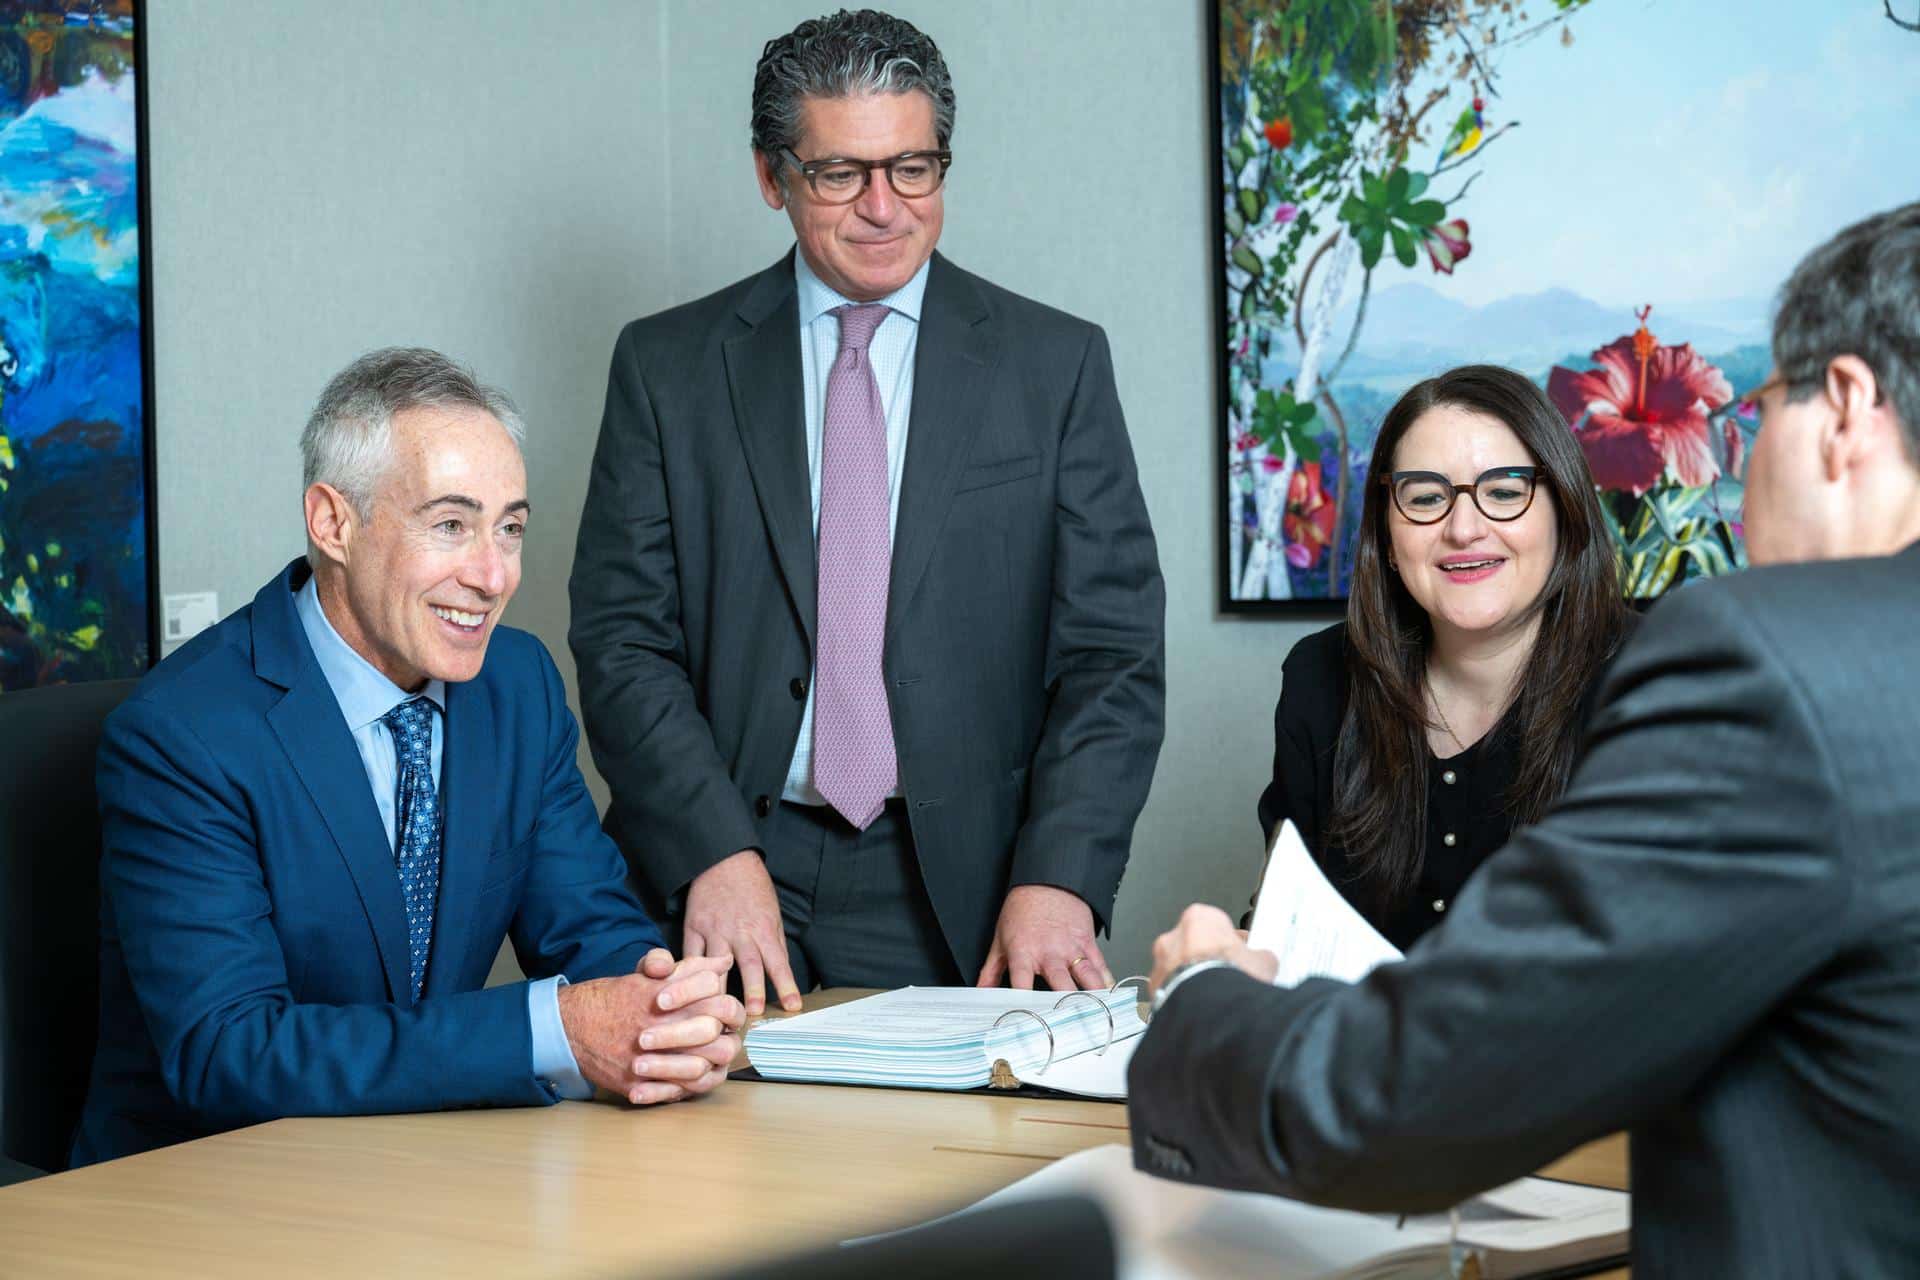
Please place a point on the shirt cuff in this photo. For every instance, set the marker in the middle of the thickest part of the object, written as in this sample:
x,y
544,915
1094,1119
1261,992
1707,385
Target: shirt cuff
x,y
553,1061
1184,972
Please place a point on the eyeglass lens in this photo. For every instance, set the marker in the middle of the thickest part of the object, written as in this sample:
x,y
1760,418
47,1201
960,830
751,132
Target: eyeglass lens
x,y
911,176
1425,497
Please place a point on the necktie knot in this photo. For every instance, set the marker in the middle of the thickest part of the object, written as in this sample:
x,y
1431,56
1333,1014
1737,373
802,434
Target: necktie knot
x,y
411,724
857,324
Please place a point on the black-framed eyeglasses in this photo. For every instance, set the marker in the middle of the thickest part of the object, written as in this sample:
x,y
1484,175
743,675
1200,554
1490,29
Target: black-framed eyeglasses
x,y
912,175
1427,497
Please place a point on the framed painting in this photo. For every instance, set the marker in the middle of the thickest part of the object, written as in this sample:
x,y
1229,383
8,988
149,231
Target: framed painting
x,y
1602,194
77,563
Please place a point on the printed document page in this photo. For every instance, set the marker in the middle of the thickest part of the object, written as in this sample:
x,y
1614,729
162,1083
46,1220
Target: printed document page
x,y
1303,919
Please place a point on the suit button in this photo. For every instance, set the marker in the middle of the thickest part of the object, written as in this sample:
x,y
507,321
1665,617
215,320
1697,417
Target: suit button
x,y
1439,905
798,688
762,806
1449,777
1449,840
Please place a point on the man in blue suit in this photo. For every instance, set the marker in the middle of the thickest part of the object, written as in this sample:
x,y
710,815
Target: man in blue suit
x,y
322,816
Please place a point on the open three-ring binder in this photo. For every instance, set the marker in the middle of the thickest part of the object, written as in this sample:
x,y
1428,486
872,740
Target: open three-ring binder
x,y
957,1038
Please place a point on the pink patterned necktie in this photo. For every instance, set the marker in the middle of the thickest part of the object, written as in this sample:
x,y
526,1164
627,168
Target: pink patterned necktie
x,y
853,761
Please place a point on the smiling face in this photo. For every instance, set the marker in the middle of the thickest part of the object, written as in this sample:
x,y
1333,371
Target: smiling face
x,y
1472,575
867,249
416,583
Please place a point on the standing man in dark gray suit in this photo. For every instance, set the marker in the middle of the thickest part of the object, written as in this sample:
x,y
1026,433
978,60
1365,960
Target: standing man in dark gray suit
x,y
1712,941
866,604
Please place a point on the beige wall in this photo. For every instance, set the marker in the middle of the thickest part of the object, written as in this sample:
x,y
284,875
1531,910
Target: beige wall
x,y
511,182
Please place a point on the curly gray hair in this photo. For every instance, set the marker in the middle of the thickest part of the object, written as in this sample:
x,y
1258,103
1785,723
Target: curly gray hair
x,y
851,52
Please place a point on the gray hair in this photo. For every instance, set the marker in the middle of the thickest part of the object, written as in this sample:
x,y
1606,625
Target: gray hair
x,y
348,441
843,56
1858,294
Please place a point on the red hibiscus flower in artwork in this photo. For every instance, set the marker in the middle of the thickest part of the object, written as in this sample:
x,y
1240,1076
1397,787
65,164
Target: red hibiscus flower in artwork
x,y
1643,412
1308,523
1280,133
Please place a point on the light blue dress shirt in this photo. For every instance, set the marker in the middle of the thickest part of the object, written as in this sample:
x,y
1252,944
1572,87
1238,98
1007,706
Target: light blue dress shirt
x,y
891,354
364,695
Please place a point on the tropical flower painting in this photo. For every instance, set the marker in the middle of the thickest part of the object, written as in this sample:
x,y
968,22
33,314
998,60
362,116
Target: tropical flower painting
x,y
1566,187
74,502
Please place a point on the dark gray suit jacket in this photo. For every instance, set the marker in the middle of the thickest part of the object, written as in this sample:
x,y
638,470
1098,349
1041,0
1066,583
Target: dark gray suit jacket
x,y
1025,612
1713,940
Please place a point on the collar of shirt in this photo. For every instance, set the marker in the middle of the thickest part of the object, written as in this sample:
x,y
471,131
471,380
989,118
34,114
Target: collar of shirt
x,y
816,298
363,693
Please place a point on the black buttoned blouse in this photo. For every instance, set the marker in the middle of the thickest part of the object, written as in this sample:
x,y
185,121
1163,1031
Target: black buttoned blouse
x,y
1467,817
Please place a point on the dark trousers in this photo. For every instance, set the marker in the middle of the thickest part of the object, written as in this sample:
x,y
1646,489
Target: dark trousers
x,y
855,908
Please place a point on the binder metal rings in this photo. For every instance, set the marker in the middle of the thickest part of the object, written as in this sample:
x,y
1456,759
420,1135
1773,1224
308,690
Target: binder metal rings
x,y
1104,1008
1044,1026
1146,1014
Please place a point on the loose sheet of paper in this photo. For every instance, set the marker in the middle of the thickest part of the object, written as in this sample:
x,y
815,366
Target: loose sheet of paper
x,y
1303,919
1092,1074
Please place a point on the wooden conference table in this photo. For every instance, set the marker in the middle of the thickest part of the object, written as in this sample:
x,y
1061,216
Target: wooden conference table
x,y
580,1189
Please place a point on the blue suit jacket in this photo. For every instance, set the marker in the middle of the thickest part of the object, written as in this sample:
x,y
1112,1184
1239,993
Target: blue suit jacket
x,y
253,940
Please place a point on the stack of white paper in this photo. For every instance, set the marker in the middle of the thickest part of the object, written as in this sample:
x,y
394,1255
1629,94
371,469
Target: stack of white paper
x,y
1303,920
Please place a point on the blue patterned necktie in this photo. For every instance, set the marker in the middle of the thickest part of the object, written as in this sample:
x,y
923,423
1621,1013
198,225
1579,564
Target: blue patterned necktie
x,y
416,812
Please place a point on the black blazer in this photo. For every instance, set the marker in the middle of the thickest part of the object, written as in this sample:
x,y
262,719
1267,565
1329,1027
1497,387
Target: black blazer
x,y
1025,612
1713,940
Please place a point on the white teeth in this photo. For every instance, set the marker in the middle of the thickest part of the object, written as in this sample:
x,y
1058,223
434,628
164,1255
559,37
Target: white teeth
x,y
460,619
1477,564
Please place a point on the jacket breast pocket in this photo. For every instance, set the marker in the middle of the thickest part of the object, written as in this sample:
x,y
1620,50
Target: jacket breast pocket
x,y
505,866
989,475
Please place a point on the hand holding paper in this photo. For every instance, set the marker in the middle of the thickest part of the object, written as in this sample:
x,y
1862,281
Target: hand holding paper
x,y
1304,921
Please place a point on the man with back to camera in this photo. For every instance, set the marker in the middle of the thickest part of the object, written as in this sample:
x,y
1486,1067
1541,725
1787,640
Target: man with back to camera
x,y
322,816
866,604
1712,941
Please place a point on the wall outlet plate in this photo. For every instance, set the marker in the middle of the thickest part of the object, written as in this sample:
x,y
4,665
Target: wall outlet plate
x,y
182,617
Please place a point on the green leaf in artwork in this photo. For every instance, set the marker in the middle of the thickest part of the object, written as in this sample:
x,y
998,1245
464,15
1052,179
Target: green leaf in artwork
x,y
1309,114
1424,213
1250,203
1304,446
1374,189
1237,156
1371,237
1235,223
1245,259
1403,246
1397,186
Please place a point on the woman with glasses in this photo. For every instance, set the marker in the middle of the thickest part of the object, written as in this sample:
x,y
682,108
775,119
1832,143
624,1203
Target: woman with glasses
x,y
1410,739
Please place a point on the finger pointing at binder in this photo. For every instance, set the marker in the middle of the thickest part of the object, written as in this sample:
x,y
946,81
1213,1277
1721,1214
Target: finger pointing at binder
x,y
1045,932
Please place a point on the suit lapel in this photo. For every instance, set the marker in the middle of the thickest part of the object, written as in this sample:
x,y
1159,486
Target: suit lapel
x,y
311,731
763,378
465,766
952,369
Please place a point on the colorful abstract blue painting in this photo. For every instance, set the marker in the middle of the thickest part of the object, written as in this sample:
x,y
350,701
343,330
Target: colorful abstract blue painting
x,y
75,449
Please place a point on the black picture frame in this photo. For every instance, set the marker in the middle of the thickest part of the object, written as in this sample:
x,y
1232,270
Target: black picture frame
x,y
1310,609
81,451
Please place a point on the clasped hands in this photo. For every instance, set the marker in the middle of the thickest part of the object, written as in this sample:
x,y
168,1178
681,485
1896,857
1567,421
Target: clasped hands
x,y
666,1032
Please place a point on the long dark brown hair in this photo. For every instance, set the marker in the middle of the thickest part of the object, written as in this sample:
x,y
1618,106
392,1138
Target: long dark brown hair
x,y
1380,758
